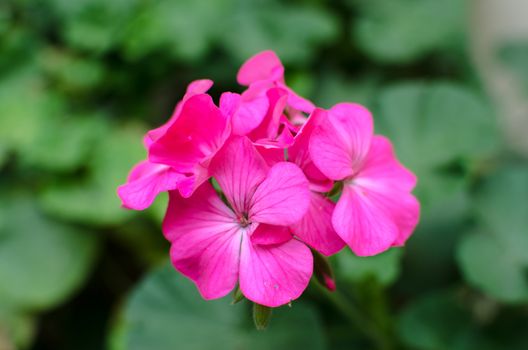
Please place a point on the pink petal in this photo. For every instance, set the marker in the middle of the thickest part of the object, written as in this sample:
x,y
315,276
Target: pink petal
x,y
246,114
383,170
187,143
270,234
272,155
262,66
383,174
239,169
282,198
269,127
205,241
274,275
145,182
363,221
298,153
296,101
315,228
194,88
339,145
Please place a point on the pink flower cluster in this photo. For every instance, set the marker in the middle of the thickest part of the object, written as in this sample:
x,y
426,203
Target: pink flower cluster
x,y
249,183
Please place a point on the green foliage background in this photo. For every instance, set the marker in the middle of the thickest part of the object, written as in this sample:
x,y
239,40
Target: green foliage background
x,y
81,81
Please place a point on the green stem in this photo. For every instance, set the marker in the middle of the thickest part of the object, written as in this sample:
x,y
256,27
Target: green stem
x,y
355,316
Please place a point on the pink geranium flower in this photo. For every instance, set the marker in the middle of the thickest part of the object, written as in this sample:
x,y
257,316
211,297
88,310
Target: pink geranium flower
x,y
216,245
376,209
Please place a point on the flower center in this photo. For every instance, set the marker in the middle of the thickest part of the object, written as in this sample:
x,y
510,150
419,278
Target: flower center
x,y
244,220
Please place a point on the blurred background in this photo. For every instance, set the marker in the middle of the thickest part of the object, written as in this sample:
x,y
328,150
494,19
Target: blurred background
x,y
82,80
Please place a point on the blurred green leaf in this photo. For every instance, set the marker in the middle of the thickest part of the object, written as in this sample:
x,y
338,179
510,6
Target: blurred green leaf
x,y
495,259
385,267
185,29
400,31
167,312
435,322
63,143
72,73
17,329
93,200
292,31
41,261
19,123
334,88
434,124
42,132
93,25
514,56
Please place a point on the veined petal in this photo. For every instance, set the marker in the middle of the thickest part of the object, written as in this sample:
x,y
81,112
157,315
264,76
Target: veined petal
x,y
274,275
269,127
384,175
383,170
145,182
263,66
194,88
239,169
315,228
282,198
299,153
187,143
270,234
339,145
205,241
246,114
364,222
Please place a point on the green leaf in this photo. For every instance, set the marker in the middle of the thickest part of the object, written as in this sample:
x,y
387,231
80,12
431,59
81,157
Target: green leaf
x,y
17,329
93,25
401,31
292,31
41,261
261,316
185,29
435,124
434,322
167,312
94,200
494,259
74,136
514,56
385,267
335,88
72,73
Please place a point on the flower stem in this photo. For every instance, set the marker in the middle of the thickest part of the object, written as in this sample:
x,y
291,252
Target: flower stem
x,y
357,318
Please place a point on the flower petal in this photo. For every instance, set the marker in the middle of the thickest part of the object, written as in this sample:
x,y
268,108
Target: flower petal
x,y
364,222
145,182
262,66
299,153
246,114
383,170
187,143
205,241
315,228
384,175
239,169
194,88
282,198
270,125
339,145
274,275
270,234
